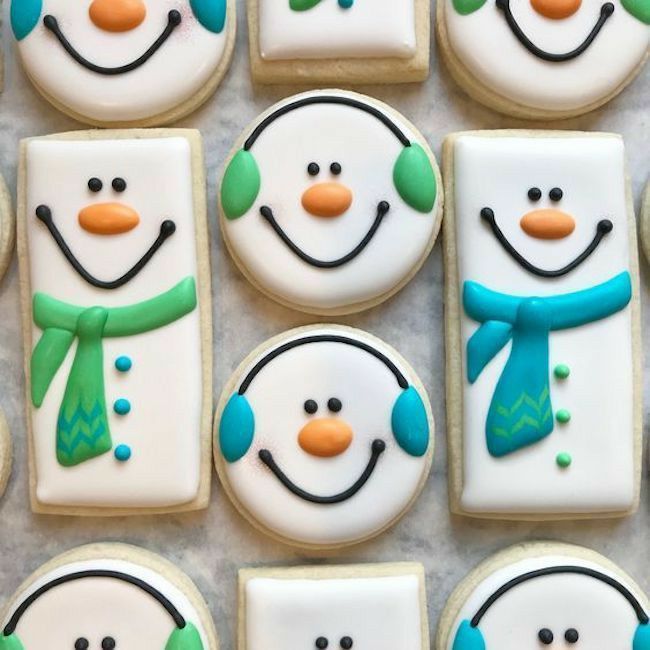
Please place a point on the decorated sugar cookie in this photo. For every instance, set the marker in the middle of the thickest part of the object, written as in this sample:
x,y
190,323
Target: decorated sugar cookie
x,y
555,58
340,193
645,222
125,62
323,436
545,595
379,606
339,41
108,597
114,259
543,326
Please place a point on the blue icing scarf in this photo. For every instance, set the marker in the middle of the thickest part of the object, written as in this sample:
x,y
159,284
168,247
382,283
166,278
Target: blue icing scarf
x,y
521,413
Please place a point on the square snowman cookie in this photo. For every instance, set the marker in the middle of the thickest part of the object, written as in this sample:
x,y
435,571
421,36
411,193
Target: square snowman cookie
x,y
116,297
339,41
543,357
378,606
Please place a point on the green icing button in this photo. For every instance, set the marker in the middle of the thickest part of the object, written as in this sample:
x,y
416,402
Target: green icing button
x,y
563,416
561,371
563,459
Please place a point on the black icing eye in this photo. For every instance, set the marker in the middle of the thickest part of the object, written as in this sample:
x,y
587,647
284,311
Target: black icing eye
x,y
334,405
108,643
571,635
556,194
313,169
311,406
81,644
346,643
321,643
545,636
534,194
336,168
95,185
119,184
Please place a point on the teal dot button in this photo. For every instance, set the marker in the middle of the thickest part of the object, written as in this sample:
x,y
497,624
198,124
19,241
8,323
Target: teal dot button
x,y
563,416
563,459
561,371
122,453
122,406
346,4
123,364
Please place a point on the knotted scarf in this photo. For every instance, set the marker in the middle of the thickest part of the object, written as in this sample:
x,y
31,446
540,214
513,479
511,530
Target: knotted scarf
x,y
82,430
521,413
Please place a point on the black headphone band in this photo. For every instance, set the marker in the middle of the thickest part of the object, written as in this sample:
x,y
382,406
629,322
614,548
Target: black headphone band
x,y
326,99
321,338
177,617
591,573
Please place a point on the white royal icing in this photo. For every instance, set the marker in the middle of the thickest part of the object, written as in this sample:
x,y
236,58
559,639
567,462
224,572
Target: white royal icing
x,y
96,607
497,172
381,613
485,45
367,390
172,76
164,385
602,617
370,28
367,151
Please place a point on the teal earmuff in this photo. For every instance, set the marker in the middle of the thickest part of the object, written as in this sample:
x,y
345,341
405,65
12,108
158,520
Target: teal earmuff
x,y
210,13
409,420
469,637
185,636
413,175
25,15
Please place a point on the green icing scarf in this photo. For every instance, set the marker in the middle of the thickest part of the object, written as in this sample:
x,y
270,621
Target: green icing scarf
x,y
82,430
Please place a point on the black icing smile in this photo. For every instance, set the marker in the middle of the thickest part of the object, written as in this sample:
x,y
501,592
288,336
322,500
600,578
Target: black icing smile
x,y
378,447
174,19
603,227
382,211
606,11
167,229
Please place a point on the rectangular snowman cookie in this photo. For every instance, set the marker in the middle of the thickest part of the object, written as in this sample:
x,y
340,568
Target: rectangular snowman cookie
x,y
339,41
543,326
114,264
378,606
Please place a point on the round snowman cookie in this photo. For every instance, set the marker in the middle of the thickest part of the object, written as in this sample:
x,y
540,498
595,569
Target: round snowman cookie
x,y
330,202
125,62
538,595
108,597
544,59
323,437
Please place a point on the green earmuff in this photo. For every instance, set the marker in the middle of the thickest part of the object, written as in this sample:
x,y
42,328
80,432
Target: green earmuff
x,y
640,9
467,7
413,175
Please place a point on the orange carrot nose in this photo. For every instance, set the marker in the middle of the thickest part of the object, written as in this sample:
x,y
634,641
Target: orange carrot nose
x,y
325,437
108,218
556,9
327,199
117,15
548,224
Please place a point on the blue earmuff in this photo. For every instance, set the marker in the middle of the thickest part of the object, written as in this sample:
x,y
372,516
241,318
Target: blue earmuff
x,y
210,13
25,15
469,637
409,420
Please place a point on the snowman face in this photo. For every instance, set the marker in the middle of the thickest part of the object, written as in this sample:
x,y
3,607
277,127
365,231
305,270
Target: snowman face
x,y
551,54
326,29
114,611
331,459
545,213
110,215
380,613
340,219
120,60
568,609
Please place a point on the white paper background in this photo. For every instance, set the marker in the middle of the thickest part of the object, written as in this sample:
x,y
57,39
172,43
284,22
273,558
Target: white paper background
x,y
211,546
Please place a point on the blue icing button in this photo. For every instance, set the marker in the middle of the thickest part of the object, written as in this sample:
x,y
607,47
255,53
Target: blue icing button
x,y
346,4
122,453
122,406
123,364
